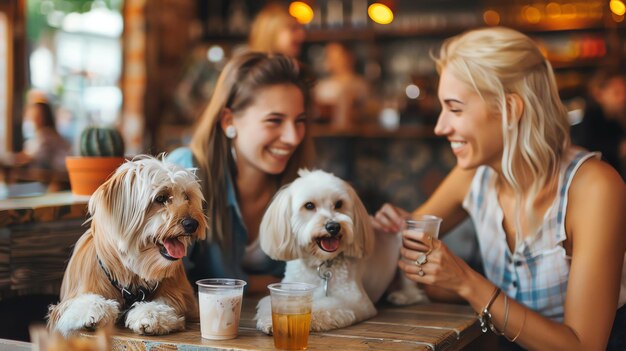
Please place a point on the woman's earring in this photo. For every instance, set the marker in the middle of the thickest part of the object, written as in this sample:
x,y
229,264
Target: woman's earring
x,y
231,132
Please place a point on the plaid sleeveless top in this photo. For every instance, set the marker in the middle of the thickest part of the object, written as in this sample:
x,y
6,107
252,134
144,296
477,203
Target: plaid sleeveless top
x,y
536,274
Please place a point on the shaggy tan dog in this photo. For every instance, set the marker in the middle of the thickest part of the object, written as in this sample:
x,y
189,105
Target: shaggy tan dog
x,y
127,266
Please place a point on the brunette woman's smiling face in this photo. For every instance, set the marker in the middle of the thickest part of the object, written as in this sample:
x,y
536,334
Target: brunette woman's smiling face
x,y
270,129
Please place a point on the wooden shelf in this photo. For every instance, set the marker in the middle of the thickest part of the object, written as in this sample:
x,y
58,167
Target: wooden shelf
x,y
374,131
560,26
583,63
370,33
354,34
225,38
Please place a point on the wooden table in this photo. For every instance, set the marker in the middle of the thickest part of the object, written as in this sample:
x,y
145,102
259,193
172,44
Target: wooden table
x,y
417,327
13,345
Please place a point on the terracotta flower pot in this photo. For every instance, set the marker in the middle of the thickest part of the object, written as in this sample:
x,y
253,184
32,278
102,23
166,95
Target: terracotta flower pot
x,y
88,173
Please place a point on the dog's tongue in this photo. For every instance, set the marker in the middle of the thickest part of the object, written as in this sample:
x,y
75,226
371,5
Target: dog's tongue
x,y
329,244
174,248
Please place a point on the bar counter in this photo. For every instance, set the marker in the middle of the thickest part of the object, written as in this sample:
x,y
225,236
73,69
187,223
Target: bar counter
x,y
37,235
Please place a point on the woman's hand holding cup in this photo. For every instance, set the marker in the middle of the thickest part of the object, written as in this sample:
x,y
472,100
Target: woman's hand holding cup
x,y
417,242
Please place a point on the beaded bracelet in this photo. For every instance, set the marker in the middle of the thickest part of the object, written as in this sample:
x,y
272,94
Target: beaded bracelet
x,y
484,317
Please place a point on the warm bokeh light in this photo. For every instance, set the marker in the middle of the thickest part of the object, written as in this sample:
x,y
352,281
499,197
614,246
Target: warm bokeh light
x,y
532,14
301,11
553,10
617,7
380,13
491,17
568,11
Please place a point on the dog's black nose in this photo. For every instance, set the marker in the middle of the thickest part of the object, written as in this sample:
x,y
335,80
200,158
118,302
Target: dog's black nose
x,y
333,228
190,225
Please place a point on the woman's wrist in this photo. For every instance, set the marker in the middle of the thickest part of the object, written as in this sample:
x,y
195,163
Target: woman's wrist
x,y
468,287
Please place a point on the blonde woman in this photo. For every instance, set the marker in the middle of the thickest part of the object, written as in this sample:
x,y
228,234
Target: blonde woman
x,y
549,216
274,30
250,140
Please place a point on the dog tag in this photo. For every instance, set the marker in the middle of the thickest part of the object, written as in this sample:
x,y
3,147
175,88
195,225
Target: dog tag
x,y
325,278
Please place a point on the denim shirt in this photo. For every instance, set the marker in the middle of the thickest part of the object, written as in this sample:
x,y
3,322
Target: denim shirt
x,y
206,260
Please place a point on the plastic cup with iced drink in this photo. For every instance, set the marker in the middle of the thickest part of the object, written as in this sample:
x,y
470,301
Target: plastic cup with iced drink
x,y
220,307
291,314
428,224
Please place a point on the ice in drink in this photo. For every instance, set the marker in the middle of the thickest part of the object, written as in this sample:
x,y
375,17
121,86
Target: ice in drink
x,y
219,314
291,314
291,331
220,307
425,223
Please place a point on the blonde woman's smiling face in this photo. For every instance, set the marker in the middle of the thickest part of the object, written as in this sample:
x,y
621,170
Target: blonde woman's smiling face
x,y
474,133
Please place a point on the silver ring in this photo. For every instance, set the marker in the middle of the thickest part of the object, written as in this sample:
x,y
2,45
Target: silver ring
x,y
422,259
421,272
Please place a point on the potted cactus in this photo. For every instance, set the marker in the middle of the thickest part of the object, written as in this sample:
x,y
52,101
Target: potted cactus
x,y
101,152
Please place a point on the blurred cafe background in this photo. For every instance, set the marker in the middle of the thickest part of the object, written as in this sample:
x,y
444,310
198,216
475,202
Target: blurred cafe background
x,y
148,67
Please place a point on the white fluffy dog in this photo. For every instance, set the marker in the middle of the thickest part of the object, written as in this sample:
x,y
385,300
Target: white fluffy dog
x,y
127,266
320,226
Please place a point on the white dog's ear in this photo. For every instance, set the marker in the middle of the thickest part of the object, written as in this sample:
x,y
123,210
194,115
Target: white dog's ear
x,y
363,243
303,171
275,234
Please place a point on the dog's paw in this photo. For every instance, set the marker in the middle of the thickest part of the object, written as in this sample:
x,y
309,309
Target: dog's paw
x,y
86,311
323,320
409,295
265,325
264,315
153,318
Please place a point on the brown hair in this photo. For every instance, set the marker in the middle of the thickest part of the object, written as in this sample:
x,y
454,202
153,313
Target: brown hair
x,y
46,113
236,88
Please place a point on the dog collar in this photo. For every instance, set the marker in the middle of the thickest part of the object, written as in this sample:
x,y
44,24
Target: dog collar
x,y
130,298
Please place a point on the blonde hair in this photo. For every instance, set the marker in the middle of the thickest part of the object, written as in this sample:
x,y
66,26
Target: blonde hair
x,y
236,88
267,25
497,62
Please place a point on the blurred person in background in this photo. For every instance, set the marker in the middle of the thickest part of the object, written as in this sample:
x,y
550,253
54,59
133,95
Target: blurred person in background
x,y
44,147
275,31
603,127
44,150
341,96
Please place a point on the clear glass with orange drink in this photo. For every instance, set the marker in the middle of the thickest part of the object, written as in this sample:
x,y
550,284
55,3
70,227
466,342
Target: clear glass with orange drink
x,y
291,314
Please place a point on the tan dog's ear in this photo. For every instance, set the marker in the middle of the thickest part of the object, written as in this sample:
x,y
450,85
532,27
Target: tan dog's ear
x,y
275,234
103,201
120,202
363,242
